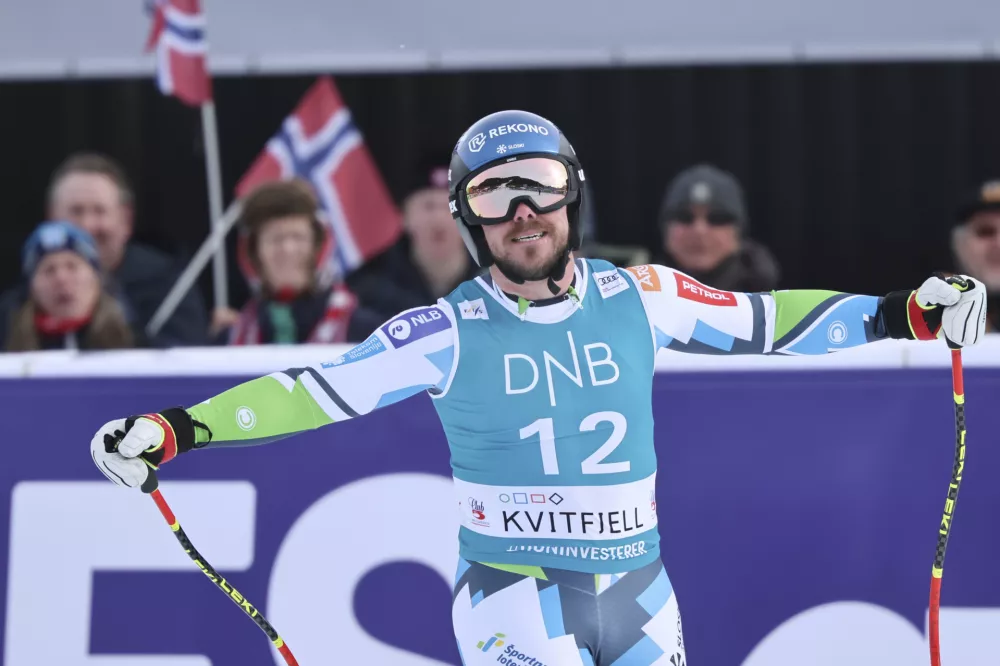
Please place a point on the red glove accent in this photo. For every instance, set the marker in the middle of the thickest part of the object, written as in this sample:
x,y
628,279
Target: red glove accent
x,y
169,444
918,319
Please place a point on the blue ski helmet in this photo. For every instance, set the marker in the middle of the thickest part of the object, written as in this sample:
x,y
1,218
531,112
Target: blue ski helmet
x,y
503,137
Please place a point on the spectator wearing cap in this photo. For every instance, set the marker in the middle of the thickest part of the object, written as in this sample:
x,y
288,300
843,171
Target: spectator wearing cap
x,y
67,306
703,223
284,252
91,191
430,259
976,244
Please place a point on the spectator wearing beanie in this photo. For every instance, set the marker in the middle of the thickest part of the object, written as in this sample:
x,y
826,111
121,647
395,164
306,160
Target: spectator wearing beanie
x,y
67,306
976,244
703,223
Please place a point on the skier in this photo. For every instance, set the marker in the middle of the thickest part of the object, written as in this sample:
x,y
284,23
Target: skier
x,y
541,372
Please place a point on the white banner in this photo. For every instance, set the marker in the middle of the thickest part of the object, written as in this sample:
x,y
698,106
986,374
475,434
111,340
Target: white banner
x,y
265,359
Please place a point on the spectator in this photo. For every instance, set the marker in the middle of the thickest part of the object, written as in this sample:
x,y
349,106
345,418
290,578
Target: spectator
x,y
703,223
976,245
91,191
67,306
283,250
428,262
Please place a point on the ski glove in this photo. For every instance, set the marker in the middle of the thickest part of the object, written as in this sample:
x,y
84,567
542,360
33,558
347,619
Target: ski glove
x,y
129,451
950,307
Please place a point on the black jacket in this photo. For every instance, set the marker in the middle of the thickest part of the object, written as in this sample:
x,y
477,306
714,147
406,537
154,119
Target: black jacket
x,y
391,282
142,281
752,269
307,311
10,302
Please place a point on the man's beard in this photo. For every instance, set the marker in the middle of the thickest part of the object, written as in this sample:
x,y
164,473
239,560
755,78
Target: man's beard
x,y
519,273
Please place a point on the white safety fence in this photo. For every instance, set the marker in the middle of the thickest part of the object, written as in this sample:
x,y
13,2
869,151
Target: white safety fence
x,y
243,361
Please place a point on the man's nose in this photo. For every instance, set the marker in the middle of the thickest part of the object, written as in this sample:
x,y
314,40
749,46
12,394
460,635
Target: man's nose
x,y
523,213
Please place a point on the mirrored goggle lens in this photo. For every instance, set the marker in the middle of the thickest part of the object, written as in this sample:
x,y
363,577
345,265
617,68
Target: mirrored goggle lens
x,y
545,181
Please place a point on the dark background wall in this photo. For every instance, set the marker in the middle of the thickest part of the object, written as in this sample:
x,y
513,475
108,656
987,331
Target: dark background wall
x,y
851,171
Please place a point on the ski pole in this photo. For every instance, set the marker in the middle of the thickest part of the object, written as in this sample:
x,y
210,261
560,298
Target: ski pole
x,y
958,389
151,488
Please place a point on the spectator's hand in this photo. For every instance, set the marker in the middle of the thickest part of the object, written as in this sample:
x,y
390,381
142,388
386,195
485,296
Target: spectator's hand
x,y
963,304
222,318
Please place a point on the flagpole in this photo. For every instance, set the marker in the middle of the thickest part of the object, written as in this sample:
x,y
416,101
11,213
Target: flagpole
x,y
213,172
211,245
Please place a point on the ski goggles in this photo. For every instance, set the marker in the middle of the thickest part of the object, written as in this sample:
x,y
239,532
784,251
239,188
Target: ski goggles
x,y
492,195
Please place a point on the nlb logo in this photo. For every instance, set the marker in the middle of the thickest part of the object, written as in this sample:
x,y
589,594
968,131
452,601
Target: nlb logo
x,y
496,640
695,291
400,329
415,324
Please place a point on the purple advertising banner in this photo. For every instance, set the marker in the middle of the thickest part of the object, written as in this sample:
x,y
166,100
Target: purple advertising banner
x,y
798,513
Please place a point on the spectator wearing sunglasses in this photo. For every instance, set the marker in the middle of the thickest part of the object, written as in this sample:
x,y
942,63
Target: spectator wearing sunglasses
x,y
703,224
976,244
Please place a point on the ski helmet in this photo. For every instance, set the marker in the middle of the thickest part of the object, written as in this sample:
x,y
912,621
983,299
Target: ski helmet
x,y
502,138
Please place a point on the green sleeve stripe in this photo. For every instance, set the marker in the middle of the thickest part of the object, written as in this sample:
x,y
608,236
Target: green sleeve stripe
x,y
259,409
794,307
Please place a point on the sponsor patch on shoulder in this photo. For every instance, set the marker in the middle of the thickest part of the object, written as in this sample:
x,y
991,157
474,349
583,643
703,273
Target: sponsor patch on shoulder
x,y
414,325
475,309
610,283
373,345
647,277
693,290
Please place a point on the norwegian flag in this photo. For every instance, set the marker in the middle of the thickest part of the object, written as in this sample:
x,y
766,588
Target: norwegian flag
x,y
178,35
320,143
